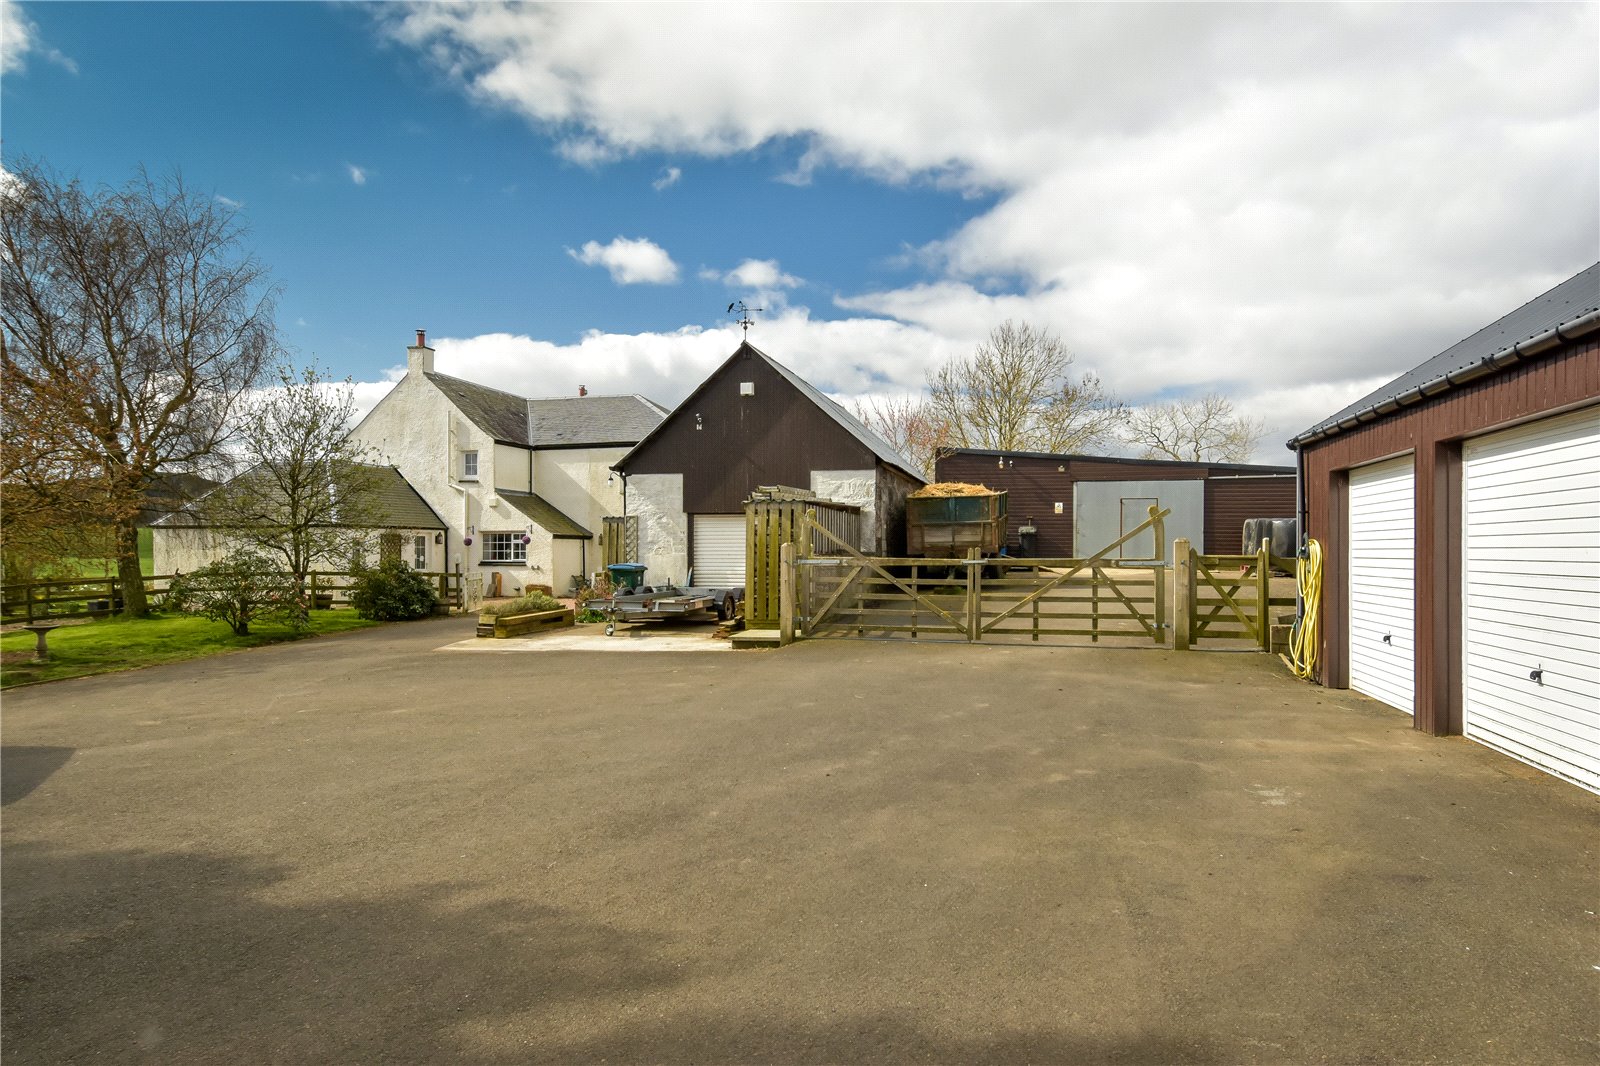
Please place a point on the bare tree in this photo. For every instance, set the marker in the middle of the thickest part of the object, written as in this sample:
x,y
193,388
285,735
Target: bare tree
x,y
132,326
908,424
1016,392
1203,429
307,491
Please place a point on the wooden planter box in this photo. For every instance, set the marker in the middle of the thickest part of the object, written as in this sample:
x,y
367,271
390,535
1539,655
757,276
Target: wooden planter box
x,y
516,625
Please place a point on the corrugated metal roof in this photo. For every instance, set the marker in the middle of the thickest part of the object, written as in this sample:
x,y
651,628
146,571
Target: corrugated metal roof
x,y
1574,298
544,514
1229,468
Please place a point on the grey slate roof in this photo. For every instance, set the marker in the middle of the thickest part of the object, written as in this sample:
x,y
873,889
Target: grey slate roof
x,y
1574,298
398,505
563,421
573,421
544,513
499,414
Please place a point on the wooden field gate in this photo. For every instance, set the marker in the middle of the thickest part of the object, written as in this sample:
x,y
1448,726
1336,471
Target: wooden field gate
x,y
775,516
1226,597
974,600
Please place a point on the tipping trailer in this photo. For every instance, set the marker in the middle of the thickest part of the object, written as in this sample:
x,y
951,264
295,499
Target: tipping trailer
x,y
946,519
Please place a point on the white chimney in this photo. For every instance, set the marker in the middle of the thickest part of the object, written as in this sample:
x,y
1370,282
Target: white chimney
x,y
419,357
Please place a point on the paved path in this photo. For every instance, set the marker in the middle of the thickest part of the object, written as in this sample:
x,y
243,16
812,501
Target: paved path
x,y
365,849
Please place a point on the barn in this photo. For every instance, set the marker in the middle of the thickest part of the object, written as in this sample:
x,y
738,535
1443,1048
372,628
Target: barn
x,y
1081,503
753,423
1458,508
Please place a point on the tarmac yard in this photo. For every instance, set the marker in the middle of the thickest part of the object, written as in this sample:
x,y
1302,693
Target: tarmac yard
x,y
372,848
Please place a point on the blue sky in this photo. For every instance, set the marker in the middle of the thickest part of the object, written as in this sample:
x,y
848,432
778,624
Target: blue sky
x,y
1286,204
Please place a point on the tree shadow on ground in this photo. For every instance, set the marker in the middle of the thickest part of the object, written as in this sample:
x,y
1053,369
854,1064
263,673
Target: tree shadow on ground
x,y
180,957
24,768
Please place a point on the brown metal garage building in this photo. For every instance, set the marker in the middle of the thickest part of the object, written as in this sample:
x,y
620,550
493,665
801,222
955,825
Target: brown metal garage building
x,y
1042,486
1458,508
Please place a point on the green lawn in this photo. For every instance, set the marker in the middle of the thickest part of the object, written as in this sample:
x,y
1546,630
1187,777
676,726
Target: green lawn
x,y
112,644
70,566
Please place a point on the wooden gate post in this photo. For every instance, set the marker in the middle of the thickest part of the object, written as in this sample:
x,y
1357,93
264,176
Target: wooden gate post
x,y
785,594
1182,594
1264,594
974,597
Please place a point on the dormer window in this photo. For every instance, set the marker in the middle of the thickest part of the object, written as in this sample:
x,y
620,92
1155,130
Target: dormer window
x,y
469,466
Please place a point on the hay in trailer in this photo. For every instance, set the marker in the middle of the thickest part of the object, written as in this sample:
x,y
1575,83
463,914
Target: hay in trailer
x,y
952,488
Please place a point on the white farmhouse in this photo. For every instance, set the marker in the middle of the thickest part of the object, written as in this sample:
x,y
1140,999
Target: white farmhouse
x,y
521,484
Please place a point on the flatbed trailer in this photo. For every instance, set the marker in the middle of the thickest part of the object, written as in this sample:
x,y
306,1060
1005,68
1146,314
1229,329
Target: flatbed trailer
x,y
665,601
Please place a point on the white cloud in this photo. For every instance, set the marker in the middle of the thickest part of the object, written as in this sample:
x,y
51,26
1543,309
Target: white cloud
x,y
760,274
358,175
669,177
228,201
10,184
846,358
631,262
1285,203
19,37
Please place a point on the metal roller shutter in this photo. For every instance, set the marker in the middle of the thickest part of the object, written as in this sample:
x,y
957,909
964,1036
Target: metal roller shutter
x,y
1382,582
718,550
1531,580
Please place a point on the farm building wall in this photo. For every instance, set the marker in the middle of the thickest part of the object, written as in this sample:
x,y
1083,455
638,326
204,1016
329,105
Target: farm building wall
x,y
1038,484
1432,432
657,501
888,535
858,487
1231,499
726,445
185,549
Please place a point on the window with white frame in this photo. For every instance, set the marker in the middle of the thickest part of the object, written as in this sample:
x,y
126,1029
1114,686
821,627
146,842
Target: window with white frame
x,y
419,552
504,548
469,466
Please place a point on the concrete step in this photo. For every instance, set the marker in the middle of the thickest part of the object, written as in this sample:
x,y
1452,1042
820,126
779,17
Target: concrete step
x,y
756,638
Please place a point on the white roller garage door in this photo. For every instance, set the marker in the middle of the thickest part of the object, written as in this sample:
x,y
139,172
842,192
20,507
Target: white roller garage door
x,y
1382,568
1531,650
719,550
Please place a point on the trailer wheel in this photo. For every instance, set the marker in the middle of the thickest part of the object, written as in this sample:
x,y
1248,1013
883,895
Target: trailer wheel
x,y
725,608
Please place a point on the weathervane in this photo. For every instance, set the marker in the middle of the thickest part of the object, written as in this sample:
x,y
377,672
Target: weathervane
x,y
744,315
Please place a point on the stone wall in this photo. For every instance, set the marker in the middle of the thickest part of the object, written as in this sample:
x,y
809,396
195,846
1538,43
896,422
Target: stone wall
x,y
858,487
657,500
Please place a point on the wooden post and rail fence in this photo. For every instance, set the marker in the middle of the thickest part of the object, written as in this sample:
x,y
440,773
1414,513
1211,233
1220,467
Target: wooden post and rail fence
x,y
30,601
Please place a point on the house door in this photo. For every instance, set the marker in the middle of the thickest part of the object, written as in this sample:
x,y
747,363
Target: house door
x,y
1382,568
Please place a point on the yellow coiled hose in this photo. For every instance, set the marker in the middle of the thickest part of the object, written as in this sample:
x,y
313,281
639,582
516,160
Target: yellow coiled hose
x,y
1306,638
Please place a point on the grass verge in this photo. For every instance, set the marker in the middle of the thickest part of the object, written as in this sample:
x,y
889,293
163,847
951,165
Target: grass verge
x,y
112,644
